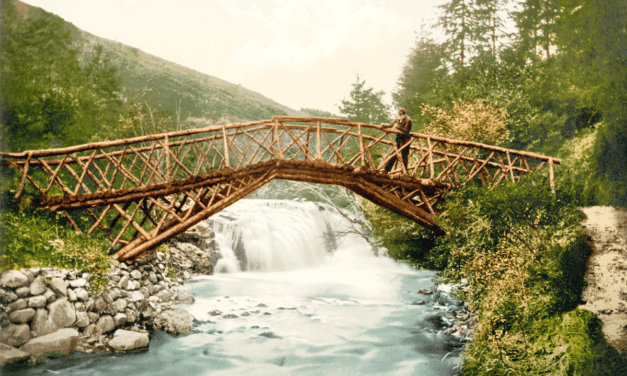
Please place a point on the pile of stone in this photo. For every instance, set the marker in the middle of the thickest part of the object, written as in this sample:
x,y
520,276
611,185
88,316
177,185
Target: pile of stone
x,y
49,311
193,252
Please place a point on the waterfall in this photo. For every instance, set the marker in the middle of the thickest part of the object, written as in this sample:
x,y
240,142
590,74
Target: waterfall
x,y
279,235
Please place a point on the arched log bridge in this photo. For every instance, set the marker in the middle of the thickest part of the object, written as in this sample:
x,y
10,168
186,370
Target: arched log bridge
x,y
145,190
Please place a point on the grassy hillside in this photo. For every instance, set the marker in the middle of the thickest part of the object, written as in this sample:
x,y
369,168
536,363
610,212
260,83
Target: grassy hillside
x,y
167,87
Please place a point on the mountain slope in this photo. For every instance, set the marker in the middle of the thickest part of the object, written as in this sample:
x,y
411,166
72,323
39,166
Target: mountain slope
x,y
166,86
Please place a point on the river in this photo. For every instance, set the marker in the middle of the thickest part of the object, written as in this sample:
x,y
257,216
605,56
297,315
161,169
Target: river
x,y
292,296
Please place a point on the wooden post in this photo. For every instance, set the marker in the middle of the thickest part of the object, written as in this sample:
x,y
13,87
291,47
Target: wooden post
x,y
226,147
551,176
166,150
278,139
318,135
432,170
362,147
24,175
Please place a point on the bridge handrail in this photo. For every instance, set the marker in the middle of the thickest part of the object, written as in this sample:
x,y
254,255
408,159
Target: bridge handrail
x,y
276,119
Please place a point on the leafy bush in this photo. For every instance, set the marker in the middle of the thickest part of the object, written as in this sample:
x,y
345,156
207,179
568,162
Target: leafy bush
x,y
519,256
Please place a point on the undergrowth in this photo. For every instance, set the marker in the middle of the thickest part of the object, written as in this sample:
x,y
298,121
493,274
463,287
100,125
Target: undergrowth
x,y
519,255
30,237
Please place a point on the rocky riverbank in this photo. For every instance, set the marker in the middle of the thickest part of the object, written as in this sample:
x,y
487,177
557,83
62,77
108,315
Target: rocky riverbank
x,y
48,312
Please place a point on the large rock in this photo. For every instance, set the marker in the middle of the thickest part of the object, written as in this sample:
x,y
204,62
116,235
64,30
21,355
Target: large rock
x,y
15,335
105,323
62,313
61,342
174,321
82,319
38,301
137,296
119,319
10,355
78,283
40,324
22,316
124,340
59,286
38,286
82,294
22,292
18,304
14,279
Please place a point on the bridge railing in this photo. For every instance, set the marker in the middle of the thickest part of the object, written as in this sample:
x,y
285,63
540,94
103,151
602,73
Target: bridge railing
x,y
162,158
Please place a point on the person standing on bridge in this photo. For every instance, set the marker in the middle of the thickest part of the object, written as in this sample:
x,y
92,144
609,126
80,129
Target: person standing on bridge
x,y
403,124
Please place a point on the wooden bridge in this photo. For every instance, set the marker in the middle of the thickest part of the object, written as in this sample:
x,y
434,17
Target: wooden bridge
x,y
145,190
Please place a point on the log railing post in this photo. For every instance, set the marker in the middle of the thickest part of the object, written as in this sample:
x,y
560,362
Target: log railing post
x,y
24,175
431,169
226,147
551,176
278,139
166,150
318,135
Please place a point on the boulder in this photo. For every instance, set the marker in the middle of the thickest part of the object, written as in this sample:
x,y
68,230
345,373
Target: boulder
x,y
82,294
38,286
22,316
10,355
10,296
105,323
78,283
18,304
137,296
61,342
136,274
40,324
174,321
124,340
59,286
22,292
14,279
120,305
15,335
119,319
186,297
71,295
82,319
50,295
38,301
164,295
131,316
61,313
99,304
93,317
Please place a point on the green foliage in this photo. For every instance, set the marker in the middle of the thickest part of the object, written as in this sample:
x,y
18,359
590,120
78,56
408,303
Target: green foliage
x,y
404,239
47,99
365,105
475,120
421,75
32,237
519,255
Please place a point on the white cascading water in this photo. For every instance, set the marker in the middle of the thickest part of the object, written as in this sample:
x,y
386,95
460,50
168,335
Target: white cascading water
x,y
280,235
292,296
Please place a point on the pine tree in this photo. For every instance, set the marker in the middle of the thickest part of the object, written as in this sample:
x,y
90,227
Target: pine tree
x,y
365,105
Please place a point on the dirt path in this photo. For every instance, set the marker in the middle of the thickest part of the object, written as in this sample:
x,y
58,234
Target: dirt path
x,y
606,294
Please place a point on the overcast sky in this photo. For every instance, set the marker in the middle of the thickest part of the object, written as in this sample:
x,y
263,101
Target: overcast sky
x,y
300,53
